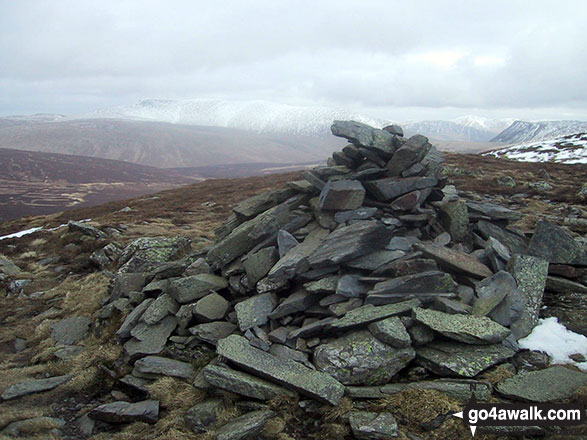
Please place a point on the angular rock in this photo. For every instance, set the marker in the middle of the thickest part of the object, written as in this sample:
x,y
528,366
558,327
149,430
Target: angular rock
x,y
406,266
392,332
408,154
161,307
425,282
124,283
296,260
188,289
452,306
7,267
71,330
245,236
342,195
212,307
260,263
33,386
462,390
311,329
362,213
361,134
184,315
291,374
85,229
212,332
549,385
133,319
246,426
296,302
421,334
562,285
314,180
410,201
255,311
197,267
393,187
243,383
375,259
350,286
126,412
464,328
324,285
369,313
199,417
342,308
455,260
530,274
249,208
498,298
285,242
514,242
493,211
153,367
349,242
37,425
150,339
373,426
461,360
358,358
145,254
455,219
555,245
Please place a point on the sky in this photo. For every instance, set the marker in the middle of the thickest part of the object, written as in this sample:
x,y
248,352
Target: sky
x,y
394,59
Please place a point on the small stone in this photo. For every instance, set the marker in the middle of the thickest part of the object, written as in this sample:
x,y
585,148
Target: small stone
x,y
455,260
391,331
285,242
150,339
212,332
199,417
342,195
162,306
369,313
255,310
298,301
153,367
455,219
212,307
372,425
188,289
246,426
33,386
126,412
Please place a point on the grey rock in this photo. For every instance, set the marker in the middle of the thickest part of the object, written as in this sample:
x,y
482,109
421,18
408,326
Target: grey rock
x,y
133,319
212,332
33,386
555,245
251,207
452,306
464,328
245,236
291,374
342,195
296,302
530,274
463,390
285,242
69,352
212,307
493,211
150,339
70,331
282,351
259,264
36,425
118,306
369,313
189,289
455,260
420,334
255,311
563,285
393,187
85,425
246,426
375,259
394,129
351,286
197,267
105,257
425,282
361,134
296,260
161,307
19,344
153,367
243,383
340,309
146,253
125,283
126,412
349,242
373,426
85,229
411,152
549,385
516,244
314,180
156,288
311,329
455,219
327,284
199,417
363,213
392,332
498,298
137,384
7,267
184,315
461,360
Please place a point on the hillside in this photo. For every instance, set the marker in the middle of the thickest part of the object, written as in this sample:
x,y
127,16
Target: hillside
x,y
522,131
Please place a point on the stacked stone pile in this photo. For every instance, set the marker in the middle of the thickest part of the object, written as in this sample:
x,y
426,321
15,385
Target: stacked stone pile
x,y
366,278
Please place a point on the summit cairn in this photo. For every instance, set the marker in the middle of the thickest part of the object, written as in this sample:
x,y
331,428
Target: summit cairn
x,y
360,279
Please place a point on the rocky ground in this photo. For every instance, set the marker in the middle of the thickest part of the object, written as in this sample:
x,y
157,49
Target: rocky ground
x,y
157,319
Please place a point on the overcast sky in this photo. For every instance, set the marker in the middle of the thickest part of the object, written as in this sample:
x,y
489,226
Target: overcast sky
x,y
397,59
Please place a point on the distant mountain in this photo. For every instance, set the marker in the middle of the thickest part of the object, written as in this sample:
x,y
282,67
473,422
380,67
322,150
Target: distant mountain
x,y
567,149
256,116
522,131
466,128
166,145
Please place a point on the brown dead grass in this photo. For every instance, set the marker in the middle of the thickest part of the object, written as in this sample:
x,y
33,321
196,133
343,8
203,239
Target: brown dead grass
x,y
175,393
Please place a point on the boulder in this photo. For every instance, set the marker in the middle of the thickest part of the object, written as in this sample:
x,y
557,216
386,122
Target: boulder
x,y
251,207
555,245
71,330
133,318
188,289
342,195
145,254
161,307
150,339
392,332
455,219
363,135
255,311
515,243
212,307
411,152
285,242
358,358
259,264
498,297
298,301
85,229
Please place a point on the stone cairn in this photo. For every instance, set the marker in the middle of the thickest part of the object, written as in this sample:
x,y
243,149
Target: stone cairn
x,y
366,278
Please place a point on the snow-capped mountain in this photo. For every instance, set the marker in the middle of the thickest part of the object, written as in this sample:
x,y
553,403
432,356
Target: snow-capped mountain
x,y
466,128
256,116
567,149
522,131
484,124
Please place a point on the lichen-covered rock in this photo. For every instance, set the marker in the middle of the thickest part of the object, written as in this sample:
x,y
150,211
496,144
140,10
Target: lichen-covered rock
x,y
146,253
373,426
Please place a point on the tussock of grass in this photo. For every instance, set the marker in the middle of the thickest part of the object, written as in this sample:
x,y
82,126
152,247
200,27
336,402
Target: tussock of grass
x,y
11,373
38,242
498,374
273,428
83,295
174,393
16,413
332,431
29,255
336,413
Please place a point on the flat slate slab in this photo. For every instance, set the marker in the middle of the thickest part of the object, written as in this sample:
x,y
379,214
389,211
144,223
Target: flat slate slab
x,y
455,260
255,311
373,426
212,332
153,367
548,385
342,195
369,313
150,339
243,383
126,412
245,426
464,328
291,374
461,360
70,331
392,332
393,187
33,386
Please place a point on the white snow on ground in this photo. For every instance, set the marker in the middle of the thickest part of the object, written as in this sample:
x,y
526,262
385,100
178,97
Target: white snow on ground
x,y
567,149
557,341
20,233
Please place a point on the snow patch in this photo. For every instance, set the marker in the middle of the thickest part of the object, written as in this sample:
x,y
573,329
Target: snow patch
x,y
557,341
20,233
